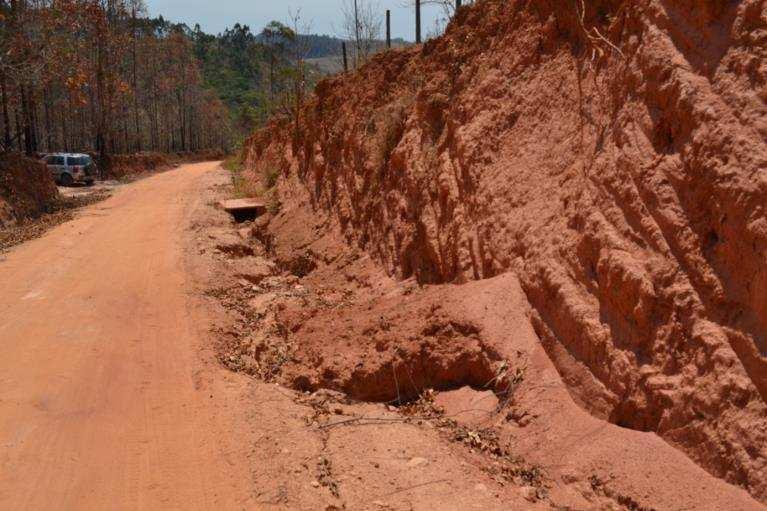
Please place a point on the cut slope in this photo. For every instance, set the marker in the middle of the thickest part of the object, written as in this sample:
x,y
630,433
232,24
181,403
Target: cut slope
x,y
26,189
615,160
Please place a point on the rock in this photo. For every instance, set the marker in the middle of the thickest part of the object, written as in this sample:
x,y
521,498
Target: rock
x,y
260,304
262,222
245,233
417,462
272,282
529,493
480,487
322,396
254,269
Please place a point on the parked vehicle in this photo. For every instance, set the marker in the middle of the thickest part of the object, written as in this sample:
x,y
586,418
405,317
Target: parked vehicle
x,y
71,168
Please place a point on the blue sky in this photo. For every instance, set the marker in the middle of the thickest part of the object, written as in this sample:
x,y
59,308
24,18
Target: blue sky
x,y
324,15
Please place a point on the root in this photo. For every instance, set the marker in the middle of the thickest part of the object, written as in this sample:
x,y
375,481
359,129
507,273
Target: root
x,y
594,36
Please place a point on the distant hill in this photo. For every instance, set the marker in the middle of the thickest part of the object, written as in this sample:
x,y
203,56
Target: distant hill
x,y
322,46
328,46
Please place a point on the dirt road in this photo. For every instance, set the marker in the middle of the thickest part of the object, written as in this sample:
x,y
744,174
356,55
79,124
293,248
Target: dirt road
x,y
107,400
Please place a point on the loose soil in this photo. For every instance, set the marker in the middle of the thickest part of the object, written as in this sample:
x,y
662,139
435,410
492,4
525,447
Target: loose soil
x,y
27,189
60,210
605,162
115,325
425,397
109,397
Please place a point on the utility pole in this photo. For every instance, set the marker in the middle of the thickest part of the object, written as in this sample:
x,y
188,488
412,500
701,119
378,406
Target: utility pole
x,y
417,21
346,62
388,28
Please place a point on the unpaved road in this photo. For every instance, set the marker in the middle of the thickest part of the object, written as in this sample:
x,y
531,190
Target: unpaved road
x,y
107,397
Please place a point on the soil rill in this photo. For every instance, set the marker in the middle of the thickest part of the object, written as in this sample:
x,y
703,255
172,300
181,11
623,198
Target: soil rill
x,y
608,158
382,368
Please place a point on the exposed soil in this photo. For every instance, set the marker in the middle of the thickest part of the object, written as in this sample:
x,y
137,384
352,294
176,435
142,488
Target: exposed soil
x,y
316,448
27,190
374,366
605,168
60,210
41,205
130,166
109,395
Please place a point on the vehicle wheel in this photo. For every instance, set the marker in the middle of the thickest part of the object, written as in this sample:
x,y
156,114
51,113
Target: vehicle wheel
x,y
66,180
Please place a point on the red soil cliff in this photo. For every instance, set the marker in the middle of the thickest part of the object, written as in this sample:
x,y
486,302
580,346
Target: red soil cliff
x,y
613,159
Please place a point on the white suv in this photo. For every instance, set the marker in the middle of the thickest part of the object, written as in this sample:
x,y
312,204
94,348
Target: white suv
x,y
71,168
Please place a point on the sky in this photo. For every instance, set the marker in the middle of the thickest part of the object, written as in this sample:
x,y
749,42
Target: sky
x,y
324,15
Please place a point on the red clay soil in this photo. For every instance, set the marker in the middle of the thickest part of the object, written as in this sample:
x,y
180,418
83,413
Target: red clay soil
x,y
313,314
604,176
122,165
26,189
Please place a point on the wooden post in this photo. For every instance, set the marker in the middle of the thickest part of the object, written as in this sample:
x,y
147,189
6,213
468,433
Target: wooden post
x,y
417,21
346,61
388,28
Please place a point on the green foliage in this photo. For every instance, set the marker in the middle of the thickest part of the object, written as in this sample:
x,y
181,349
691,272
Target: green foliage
x,y
233,164
247,71
241,185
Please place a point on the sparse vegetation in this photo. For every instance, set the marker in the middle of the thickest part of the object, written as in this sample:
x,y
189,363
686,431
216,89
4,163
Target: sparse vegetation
x,y
271,175
273,204
241,184
233,164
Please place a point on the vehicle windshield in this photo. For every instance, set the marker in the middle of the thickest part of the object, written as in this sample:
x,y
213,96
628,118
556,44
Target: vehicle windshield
x,y
80,160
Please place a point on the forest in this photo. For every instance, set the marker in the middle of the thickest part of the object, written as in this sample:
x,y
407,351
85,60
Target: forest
x,y
101,76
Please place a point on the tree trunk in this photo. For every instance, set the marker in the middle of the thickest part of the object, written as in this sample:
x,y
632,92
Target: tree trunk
x,y
19,137
64,132
181,119
26,114
135,83
6,119
48,127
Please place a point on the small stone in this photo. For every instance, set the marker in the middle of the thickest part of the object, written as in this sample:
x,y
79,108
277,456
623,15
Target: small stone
x,y
316,484
480,487
529,493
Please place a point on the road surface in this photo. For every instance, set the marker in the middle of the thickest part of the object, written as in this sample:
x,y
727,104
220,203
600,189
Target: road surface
x,y
107,399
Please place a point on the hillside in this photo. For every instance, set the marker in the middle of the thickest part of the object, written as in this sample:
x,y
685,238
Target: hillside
x,y
26,189
613,161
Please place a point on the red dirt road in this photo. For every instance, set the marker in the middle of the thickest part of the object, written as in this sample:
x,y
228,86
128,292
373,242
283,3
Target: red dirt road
x,y
106,400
